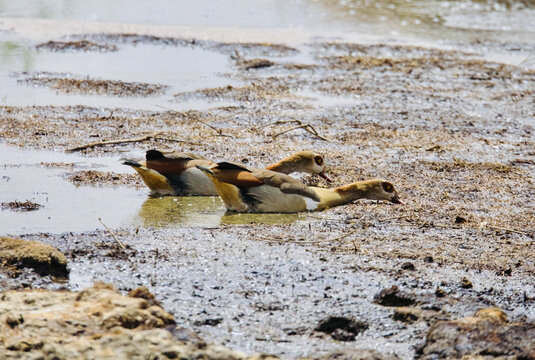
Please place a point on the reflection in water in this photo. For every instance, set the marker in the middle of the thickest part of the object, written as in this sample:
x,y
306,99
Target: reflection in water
x,y
16,55
241,219
171,211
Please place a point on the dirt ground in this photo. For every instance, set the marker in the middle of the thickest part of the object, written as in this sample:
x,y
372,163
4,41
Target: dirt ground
x,y
453,131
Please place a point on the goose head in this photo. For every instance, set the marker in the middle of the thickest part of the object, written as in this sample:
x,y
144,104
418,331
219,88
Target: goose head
x,y
376,189
302,161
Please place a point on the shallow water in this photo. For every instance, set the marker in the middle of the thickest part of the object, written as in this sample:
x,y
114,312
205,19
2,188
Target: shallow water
x,y
40,176
431,19
180,68
65,207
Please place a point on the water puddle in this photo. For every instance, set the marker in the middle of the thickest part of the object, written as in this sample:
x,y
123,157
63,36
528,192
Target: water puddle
x,y
173,212
181,68
40,177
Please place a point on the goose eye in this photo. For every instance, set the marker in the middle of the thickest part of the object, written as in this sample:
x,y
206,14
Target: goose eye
x,y
318,160
388,187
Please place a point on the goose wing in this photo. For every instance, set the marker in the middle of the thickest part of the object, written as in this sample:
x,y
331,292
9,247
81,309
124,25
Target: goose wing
x,y
243,176
285,183
158,155
173,164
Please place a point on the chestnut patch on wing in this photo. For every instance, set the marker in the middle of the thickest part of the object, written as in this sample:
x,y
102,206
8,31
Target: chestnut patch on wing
x,y
167,166
239,178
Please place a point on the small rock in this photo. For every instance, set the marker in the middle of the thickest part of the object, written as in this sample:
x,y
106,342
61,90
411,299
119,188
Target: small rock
x,y
428,259
434,148
495,314
506,272
408,266
134,318
341,328
466,283
440,292
24,345
407,314
393,297
460,220
44,259
144,293
14,320
487,332
351,354
256,63
262,357
208,322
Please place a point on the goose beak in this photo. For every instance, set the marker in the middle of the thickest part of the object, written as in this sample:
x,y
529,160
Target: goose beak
x,y
131,163
202,168
324,176
396,200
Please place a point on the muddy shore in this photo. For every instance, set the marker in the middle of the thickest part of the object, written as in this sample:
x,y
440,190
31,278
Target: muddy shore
x,y
454,132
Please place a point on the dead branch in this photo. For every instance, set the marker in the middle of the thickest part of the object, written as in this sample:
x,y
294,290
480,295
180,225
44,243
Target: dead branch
x,y
279,122
307,127
114,142
153,136
217,130
393,218
112,234
508,230
300,125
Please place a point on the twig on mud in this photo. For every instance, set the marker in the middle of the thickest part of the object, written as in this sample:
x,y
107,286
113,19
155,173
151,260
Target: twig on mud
x,y
508,230
113,142
154,136
344,235
112,234
279,122
300,125
217,130
307,127
393,218
176,140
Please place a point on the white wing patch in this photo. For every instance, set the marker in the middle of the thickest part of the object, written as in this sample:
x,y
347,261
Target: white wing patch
x,y
311,205
271,199
197,182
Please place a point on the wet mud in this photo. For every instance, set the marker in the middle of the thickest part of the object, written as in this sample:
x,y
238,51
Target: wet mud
x,y
20,205
451,129
82,45
102,178
68,84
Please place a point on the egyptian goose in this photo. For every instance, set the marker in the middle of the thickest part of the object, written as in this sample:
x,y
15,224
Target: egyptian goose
x,y
246,189
177,173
